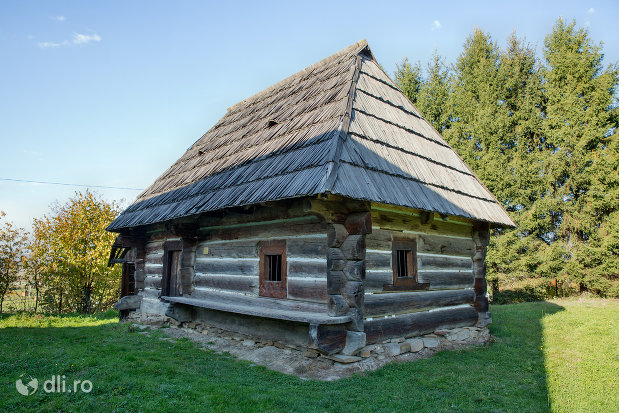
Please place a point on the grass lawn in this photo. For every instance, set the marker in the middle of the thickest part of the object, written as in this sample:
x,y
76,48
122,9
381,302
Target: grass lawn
x,y
549,356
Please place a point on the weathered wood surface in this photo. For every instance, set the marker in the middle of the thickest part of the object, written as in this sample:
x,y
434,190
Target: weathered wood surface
x,y
328,339
266,232
308,289
379,239
400,221
232,266
446,245
153,269
415,324
304,268
446,279
152,282
376,279
443,262
241,283
254,307
395,303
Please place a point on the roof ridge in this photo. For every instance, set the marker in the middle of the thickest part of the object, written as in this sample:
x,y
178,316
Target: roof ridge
x,y
344,127
350,50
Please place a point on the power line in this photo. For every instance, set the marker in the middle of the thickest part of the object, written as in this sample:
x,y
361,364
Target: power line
x,y
67,184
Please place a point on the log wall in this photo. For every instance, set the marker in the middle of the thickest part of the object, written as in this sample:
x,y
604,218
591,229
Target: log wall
x,y
444,261
227,257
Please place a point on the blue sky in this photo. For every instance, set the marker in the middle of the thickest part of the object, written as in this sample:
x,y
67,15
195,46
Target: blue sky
x,y
112,93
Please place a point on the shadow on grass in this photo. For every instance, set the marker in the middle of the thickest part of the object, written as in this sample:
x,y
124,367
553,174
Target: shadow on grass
x,y
139,372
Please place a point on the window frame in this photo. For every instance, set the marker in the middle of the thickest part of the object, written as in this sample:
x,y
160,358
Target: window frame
x,y
268,288
170,279
410,246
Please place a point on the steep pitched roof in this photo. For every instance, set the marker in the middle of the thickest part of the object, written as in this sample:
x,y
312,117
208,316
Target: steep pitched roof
x,y
340,126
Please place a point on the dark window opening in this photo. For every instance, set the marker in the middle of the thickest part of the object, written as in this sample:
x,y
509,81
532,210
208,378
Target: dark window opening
x,y
275,267
403,257
272,123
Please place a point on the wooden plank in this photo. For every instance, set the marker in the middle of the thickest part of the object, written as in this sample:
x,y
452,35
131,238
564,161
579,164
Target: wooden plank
x,y
416,324
446,245
303,268
309,289
442,262
242,283
233,266
255,309
446,279
395,303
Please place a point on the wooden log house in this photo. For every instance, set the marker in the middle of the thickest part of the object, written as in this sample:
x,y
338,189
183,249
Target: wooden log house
x,y
324,211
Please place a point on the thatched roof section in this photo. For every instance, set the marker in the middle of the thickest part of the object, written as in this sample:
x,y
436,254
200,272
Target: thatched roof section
x,y
339,126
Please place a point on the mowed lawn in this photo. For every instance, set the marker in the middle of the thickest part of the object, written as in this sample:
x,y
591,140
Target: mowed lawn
x,y
549,356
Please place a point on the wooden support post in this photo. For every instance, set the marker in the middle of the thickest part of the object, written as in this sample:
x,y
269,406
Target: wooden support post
x,y
481,238
346,266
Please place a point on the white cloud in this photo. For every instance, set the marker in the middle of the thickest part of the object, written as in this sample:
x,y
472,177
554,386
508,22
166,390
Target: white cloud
x,y
436,25
58,18
79,38
591,10
52,45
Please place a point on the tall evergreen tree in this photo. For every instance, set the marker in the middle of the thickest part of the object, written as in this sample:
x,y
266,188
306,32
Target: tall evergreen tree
x,y
408,78
433,95
581,171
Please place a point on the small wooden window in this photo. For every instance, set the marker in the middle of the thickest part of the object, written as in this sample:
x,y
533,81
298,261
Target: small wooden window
x,y
404,262
273,269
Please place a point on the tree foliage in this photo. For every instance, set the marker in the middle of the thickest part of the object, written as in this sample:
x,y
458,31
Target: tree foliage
x,y
13,243
70,250
541,135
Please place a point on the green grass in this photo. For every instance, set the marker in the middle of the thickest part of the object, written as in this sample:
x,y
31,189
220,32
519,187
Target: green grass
x,y
549,356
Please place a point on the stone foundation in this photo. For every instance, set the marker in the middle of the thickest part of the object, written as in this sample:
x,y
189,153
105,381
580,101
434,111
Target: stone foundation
x,y
309,363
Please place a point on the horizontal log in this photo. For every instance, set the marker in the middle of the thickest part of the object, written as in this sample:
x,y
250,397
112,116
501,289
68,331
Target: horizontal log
x,y
314,290
446,245
241,283
153,270
307,247
304,268
247,249
155,258
442,262
394,303
275,231
446,279
416,324
227,266
374,260
375,280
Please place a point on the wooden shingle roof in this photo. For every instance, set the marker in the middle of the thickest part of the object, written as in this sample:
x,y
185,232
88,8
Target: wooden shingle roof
x,y
340,126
